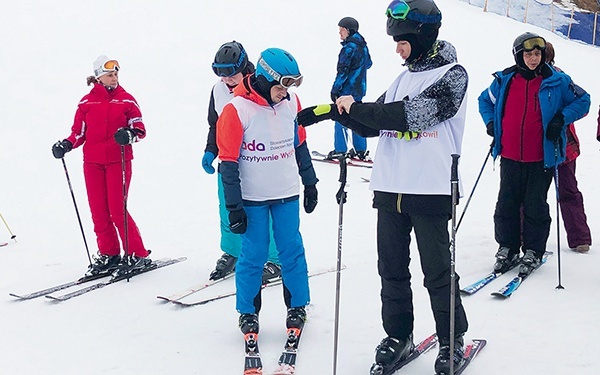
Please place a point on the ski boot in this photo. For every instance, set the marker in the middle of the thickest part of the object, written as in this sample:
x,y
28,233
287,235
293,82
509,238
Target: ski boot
x,y
296,317
442,362
529,263
132,265
225,266
248,323
271,272
362,156
103,264
390,352
505,260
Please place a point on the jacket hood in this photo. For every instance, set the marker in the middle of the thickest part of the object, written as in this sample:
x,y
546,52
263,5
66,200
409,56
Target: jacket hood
x,y
355,38
246,91
440,54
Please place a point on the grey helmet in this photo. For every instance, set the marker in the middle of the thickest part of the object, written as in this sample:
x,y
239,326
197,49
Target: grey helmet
x,y
230,59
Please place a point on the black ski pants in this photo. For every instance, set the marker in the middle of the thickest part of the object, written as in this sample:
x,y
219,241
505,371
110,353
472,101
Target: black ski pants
x,y
393,247
523,186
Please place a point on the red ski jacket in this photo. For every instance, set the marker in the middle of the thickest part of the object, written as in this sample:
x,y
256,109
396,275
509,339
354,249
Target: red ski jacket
x,y
99,115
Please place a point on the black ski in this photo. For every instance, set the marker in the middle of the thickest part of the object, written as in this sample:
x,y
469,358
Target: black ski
x,y
420,348
252,361
155,265
287,360
515,283
57,288
317,156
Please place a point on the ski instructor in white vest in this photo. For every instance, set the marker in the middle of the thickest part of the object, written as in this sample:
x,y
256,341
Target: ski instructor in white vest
x,y
420,122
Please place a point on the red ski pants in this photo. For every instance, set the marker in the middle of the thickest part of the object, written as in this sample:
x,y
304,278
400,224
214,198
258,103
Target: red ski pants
x,y
104,184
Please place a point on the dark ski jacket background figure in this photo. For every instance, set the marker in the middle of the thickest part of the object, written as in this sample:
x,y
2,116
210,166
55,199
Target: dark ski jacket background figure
x,y
353,61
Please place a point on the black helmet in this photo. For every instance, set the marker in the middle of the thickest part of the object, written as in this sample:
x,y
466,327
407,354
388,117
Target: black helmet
x,y
349,23
231,59
420,17
416,21
528,42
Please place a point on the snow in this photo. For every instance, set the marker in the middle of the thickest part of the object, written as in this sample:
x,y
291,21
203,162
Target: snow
x,y
165,49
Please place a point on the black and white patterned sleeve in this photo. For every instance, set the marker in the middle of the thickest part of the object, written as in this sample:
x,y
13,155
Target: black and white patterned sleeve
x,y
437,103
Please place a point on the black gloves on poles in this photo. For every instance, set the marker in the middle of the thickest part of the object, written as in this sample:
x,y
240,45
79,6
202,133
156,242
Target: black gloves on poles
x,y
125,136
310,198
555,127
316,113
490,128
60,148
238,221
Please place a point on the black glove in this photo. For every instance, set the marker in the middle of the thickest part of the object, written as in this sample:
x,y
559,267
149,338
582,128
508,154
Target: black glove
x,y
334,97
490,129
60,148
338,196
125,136
316,113
310,198
238,221
555,127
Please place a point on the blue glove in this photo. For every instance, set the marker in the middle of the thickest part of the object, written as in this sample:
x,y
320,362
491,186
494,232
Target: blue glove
x,y
207,161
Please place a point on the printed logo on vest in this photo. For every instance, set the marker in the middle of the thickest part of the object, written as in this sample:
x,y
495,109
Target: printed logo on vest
x,y
253,146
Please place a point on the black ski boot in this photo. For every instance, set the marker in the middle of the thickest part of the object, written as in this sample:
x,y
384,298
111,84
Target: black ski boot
x,y
248,323
442,362
225,266
131,265
530,262
103,264
390,352
296,317
505,260
271,272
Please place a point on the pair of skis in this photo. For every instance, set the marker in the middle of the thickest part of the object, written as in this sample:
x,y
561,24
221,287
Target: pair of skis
x,y
320,157
179,298
507,290
471,350
287,359
49,291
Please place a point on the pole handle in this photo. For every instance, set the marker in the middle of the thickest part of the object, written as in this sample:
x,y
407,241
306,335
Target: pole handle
x,y
454,168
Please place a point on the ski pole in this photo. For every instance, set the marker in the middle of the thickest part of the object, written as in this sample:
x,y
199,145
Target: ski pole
x,y
76,210
454,189
341,199
12,236
559,286
474,186
125,223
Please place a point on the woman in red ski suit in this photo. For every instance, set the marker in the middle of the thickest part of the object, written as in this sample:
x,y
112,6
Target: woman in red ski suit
x,y
107,118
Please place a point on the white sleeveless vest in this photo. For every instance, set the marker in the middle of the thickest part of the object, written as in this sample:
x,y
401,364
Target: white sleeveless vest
x,y
422,165
267,162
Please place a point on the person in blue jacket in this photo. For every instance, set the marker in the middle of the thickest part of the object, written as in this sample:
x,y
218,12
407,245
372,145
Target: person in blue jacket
x,y
527,109
351,79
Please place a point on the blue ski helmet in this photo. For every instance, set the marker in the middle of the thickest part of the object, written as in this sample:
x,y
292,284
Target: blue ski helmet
x,y
275,65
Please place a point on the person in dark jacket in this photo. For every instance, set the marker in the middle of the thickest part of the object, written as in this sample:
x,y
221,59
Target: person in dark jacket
x,y
420,123
107,122
351,79
231,64
579,236
526,110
